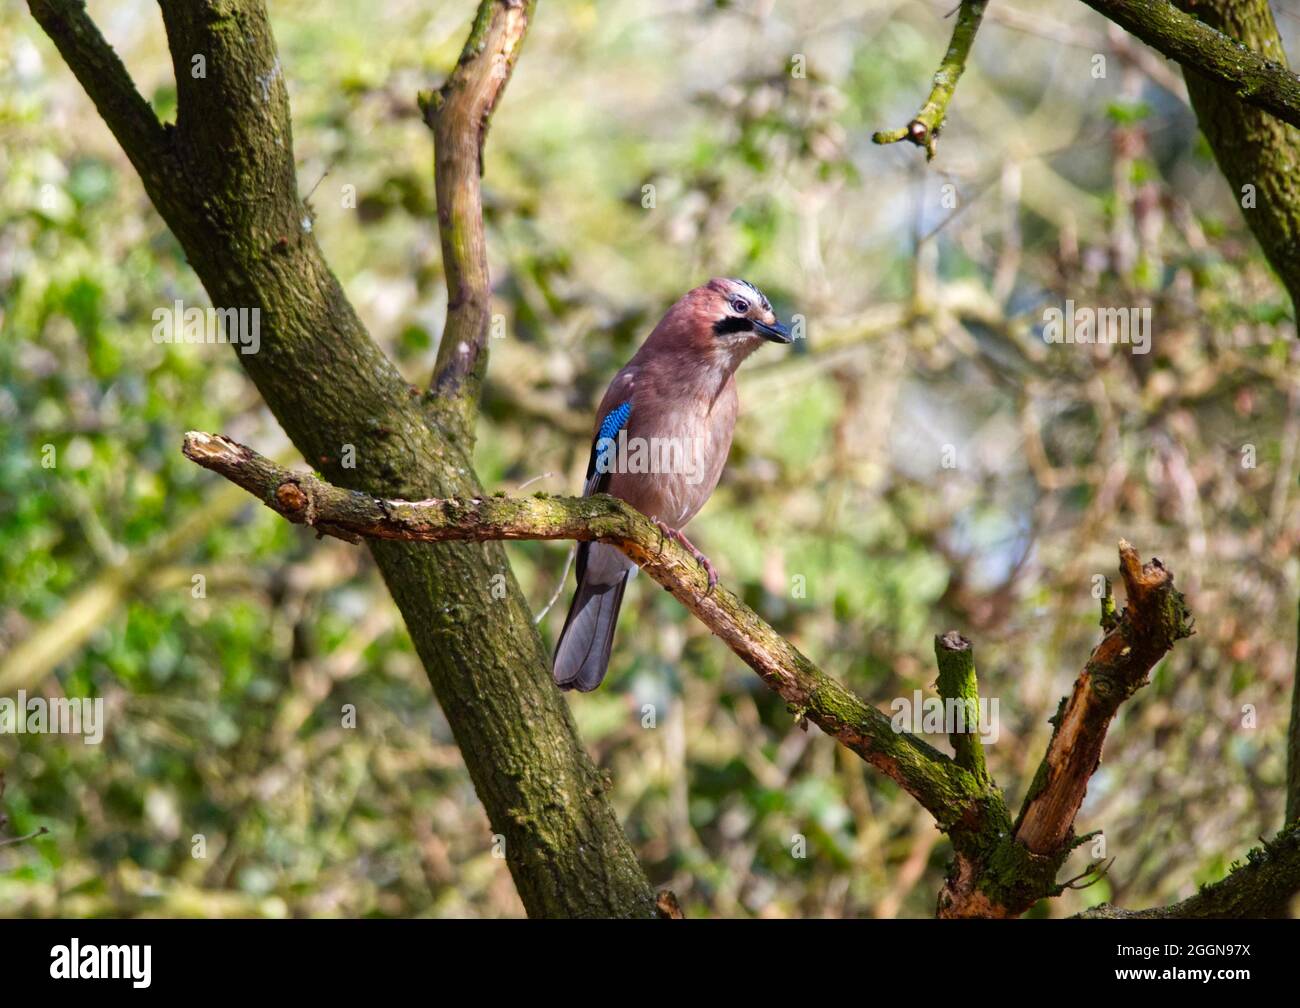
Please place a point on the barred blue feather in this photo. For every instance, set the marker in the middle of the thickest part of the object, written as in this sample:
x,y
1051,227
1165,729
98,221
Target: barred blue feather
x,y
614,420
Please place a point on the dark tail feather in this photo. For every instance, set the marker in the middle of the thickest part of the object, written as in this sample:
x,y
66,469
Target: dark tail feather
x,y
582,655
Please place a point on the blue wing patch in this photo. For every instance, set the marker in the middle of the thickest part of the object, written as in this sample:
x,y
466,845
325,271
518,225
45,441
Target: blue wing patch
x,y
614,421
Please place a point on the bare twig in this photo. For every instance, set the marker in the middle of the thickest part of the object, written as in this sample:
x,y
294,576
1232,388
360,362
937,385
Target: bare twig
x,y
23,839
924,128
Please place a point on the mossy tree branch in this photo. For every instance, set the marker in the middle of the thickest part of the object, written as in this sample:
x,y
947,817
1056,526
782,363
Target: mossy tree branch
x,y
957,682
1256,148
1007,873
1265,886
924,128
939,784
1254,74
1254,77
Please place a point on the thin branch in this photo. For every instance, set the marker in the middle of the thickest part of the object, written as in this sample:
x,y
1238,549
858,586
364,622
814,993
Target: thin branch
x,y
459,114
1094,873
1154,618
1197,46
942,787
924,128
12,841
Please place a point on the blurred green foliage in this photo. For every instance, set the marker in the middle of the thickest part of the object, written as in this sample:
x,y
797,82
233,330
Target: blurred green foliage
x,y
838,518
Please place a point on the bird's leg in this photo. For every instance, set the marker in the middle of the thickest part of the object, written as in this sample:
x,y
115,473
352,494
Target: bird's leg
x,y
669,532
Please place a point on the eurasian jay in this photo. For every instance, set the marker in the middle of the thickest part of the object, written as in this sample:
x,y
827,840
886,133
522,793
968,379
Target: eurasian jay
x,y
662,436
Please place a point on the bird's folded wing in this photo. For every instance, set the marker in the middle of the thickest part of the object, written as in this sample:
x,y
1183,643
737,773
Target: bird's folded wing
x,y
615,409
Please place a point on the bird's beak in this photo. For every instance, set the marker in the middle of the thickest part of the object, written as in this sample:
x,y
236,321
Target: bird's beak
x,y
775,332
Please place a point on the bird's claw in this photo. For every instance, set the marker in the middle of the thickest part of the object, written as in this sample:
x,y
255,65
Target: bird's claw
x,y
668,532
708,569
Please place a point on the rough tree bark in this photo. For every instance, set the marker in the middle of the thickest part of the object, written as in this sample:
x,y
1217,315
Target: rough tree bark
x,y
1252,147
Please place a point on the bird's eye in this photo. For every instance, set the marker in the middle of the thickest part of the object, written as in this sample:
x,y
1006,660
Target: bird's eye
x,y
740,306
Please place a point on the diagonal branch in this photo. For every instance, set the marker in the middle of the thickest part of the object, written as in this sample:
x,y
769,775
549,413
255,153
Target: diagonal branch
x,y
459,114
924,128
997,871
1155,617
1197,46
944,789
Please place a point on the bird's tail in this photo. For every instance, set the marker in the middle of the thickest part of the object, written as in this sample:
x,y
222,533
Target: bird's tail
x,y
582,654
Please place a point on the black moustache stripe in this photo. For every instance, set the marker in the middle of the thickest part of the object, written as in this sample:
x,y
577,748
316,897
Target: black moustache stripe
x,y
731,324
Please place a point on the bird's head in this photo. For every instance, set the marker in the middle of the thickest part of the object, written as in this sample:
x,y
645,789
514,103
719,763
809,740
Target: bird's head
x,y
738,314
718,325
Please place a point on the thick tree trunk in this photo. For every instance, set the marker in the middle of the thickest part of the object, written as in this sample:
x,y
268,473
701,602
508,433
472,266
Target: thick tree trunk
x,y
223,179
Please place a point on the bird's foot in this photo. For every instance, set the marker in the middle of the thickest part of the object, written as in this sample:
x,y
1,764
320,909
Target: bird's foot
x,y
668,532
